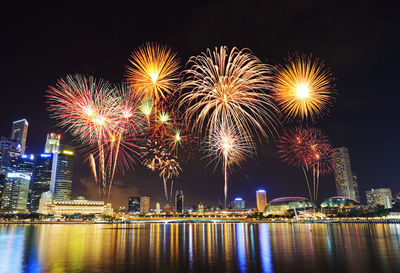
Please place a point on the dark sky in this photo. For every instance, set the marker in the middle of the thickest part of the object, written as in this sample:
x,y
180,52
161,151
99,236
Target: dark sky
x,y
358,40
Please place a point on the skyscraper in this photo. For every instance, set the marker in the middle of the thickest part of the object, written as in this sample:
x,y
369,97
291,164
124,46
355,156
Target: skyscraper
x,y
15,193
179,202
380,197
261,197
19,131
62,169
41,179
52,143
343,173
355,187
238,203
158,208
144,204
26,164
134,205
9,153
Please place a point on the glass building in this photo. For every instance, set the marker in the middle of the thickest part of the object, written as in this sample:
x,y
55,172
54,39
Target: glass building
x,y
343,174
52,143
144,204
15,192
238,203
26,164
179,202
286,205
62,171
9,152
19,132
41,179
134,205
261,198
381,197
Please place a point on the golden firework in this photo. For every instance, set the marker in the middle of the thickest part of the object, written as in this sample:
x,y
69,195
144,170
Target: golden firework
x,y
153,72
228,87
303,88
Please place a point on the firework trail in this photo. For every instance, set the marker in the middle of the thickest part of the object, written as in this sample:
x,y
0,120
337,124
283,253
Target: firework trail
x,y
303,88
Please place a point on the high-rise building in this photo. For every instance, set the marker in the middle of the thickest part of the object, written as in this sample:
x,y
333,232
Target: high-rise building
x,y
200,208
15,193
179,202
52,143
158,208
2,181
19,132
10,150
61,180
238,203
167,209
144,205
343,173
41,179
380,197
261,197
26,164
134,205
355,187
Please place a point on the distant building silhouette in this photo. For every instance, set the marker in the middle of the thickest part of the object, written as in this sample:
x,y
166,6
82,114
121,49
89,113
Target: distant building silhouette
x,y
380,197
343,174
179,202
134,205
19,132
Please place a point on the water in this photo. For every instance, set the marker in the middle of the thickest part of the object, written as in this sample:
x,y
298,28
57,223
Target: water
x,y
203,247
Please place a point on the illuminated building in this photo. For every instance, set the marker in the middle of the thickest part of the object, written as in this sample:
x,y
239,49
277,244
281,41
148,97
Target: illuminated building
x,y
261,197
144,205
167,209
69,207
238,203
343,174
158,209
15,192
287,205
2,181
26,164
19,132
179,202
52,143
380,197
200,208
134,205
355,187
61,180
41,179
339,201
9,153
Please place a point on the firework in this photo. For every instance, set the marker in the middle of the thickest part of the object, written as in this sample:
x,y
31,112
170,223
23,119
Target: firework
x,y
228,87
153,72
228,147
309,149
304,88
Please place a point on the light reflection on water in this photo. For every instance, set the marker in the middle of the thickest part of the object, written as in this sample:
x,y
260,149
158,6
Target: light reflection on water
x,y
202,247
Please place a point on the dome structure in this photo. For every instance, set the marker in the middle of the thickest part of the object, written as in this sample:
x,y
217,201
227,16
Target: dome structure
x,y
339,201
285,205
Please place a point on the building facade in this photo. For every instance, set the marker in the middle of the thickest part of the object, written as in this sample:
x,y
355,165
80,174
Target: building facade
x,y
19,132
144,205
62,170
52,143
15,193
10,150
239,203
343,174
134,205
261,198
381,197
41,179
179,202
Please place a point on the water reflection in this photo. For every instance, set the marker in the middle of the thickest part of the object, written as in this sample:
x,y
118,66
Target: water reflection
x,y
203,247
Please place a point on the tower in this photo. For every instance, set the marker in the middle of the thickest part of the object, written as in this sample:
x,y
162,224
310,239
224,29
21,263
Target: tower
x,y
179,202
343,174
61,176
19,132
15,192
41,179
144,204
261,197
52,143
134,205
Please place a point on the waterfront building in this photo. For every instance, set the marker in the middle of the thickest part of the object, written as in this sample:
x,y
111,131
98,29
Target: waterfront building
x,y
69,207
15,192
167,209
134,205
179,202
158,208
287,205
61,180
2,181
261,198
41,179
52,143
144,204
238,203
200,208
19,132
381,197
339,201
26,164
9,153
343,174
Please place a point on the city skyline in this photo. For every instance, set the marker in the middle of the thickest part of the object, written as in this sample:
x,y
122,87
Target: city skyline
x,y
358,94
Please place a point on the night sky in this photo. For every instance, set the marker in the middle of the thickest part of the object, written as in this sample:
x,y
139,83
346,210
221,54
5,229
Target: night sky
x,y
358,40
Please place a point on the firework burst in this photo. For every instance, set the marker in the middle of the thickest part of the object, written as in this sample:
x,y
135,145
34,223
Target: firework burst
x,y
227,87
304,88
153,72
